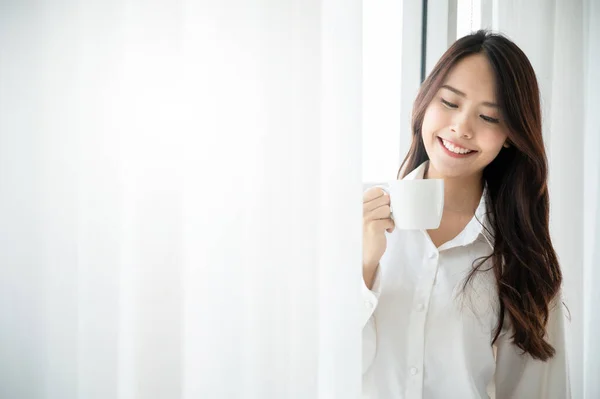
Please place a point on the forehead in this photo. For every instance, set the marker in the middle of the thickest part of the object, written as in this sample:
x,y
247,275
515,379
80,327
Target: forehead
x,y
474,76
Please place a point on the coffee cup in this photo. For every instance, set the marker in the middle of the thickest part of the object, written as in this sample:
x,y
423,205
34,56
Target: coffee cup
x,y
415,204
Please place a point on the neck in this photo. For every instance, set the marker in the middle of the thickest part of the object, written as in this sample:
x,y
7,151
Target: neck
x,y
461,194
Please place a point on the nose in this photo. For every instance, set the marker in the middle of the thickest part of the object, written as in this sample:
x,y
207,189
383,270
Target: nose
x,y
462,127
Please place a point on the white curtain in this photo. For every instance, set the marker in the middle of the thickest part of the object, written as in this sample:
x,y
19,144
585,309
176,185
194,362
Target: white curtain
x,y
180,189
591,271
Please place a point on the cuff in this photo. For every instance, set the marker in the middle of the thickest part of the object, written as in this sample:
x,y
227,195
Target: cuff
x,y
370,297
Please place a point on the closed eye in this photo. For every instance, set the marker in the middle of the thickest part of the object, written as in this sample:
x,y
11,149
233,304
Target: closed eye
x,y
488,119
449,104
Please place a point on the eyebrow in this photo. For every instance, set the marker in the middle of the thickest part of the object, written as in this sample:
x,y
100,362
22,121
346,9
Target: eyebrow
x,y
460,93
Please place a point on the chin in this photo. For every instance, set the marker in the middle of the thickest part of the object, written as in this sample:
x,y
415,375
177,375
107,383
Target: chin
x,y
450,169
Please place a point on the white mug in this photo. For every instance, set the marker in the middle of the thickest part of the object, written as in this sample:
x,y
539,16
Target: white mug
x,y
415,204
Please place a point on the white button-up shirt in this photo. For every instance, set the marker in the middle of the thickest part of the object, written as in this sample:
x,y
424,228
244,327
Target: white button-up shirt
x,y
424,337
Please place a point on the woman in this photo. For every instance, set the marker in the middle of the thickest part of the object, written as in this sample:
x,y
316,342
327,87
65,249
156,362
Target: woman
x,y
472,308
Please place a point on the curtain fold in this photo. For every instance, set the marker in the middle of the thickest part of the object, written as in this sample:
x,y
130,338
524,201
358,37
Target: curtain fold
x,y
176,199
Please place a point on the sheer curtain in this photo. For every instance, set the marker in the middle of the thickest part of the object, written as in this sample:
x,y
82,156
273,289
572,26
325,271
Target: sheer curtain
x,y
176,184
591,272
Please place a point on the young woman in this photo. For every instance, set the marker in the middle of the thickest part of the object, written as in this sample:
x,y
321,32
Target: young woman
x,y
473,308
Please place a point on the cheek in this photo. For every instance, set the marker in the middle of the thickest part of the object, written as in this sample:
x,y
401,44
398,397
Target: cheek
x,y
491,142
433,120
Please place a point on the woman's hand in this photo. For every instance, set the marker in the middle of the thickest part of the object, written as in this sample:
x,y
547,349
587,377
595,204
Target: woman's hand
x,y
376,221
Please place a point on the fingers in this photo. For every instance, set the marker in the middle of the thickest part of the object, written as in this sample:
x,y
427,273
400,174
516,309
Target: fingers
x,y
388,224
375,202
377,211
372,193
382,212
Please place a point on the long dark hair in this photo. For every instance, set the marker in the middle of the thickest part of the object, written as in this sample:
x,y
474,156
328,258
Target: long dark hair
x,y
525,264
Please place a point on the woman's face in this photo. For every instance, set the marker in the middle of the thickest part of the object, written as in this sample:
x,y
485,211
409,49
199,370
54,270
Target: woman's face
x,y
462,127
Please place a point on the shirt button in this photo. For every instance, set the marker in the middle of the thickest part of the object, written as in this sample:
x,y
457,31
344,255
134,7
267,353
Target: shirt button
x,y
369,305
432,255
420,307
414,371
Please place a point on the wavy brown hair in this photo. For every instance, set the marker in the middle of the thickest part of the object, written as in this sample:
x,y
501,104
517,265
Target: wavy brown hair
x,y
523,260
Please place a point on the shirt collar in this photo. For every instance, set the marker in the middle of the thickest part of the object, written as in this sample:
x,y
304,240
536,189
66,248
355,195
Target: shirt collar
x,y
418,172
478,226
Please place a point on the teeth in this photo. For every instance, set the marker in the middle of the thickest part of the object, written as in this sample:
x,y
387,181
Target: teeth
x,y
457,150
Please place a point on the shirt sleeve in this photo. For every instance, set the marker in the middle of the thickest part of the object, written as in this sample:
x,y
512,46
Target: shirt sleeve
x,y
369,329
370,297
520,376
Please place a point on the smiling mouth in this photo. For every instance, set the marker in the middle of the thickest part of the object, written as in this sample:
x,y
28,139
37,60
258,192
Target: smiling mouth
x,y
454,150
